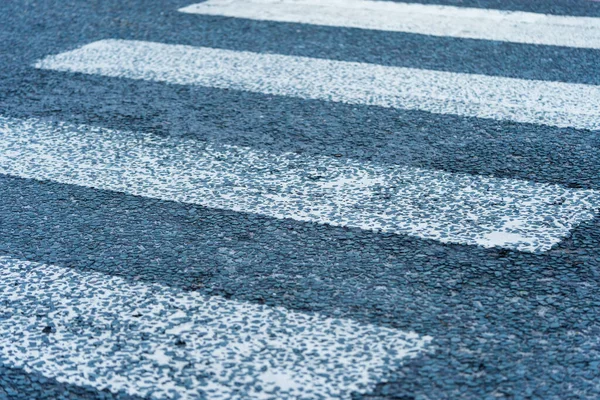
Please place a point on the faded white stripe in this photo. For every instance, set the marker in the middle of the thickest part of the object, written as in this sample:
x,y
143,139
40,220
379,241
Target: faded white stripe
x,y
435,20
453,208
151,340
540,102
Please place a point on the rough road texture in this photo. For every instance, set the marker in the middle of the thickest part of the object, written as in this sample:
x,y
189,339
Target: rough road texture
x,y
506,324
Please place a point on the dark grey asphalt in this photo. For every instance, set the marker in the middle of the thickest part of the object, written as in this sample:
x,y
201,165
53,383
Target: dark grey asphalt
x,y
506,324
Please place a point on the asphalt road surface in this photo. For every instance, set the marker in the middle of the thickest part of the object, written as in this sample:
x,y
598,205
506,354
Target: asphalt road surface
x,y
299,199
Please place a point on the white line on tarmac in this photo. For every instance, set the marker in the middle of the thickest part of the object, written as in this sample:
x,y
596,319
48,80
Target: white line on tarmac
x,y
540,102
435,20
161,342
451,208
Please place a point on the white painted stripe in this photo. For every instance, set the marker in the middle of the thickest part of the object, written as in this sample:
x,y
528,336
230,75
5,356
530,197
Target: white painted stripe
x,y
550,103
129,336
453,208
435,20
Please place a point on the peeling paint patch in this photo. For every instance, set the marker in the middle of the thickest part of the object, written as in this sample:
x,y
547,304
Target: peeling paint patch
x,y
90,329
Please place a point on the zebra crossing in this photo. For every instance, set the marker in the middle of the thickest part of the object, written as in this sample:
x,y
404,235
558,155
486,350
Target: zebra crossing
x,y
166,341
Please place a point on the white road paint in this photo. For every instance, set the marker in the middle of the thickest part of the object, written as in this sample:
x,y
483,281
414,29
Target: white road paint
x,y
435,20
156,341
451,208
540,102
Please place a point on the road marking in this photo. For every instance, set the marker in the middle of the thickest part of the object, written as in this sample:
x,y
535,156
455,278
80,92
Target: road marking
x,y
551,103
451,208
435,20
152,340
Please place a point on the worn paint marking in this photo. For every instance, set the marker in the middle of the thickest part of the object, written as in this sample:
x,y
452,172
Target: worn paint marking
x,y
450,208
528,101
435,20
94,330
